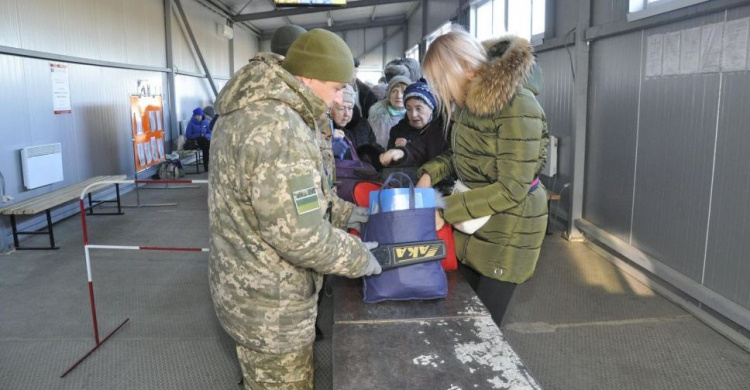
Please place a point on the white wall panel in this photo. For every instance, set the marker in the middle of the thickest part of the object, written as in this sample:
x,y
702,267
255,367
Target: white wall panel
x,y
108,30
144,32
110,27
40,25
184,59
9,35
215,48
245,47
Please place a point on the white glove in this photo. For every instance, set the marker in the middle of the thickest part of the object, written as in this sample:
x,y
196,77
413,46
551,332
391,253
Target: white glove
x,y
373,267
358,216
391,156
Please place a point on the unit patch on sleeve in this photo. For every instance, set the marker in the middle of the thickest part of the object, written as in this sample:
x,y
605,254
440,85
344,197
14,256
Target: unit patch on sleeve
x,y
304,194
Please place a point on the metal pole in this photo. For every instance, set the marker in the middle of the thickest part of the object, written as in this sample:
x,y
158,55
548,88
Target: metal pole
x,y
195,46
171,94
580,119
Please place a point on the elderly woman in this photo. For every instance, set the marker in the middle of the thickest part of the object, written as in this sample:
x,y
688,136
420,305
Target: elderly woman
x,y
498,147
198,135
418,138
389,111
348,123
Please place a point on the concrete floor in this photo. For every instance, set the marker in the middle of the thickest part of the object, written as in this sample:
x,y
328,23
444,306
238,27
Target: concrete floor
x,y
580,323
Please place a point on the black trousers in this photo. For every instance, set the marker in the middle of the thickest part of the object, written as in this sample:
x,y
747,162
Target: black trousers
x,y
494,294
204,144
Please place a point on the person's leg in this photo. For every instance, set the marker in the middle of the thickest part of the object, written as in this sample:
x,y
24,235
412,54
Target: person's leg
x,y
205,146
471,276
496,296
285,371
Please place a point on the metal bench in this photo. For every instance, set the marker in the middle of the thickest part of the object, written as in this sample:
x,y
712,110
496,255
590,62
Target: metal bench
x,y
45,202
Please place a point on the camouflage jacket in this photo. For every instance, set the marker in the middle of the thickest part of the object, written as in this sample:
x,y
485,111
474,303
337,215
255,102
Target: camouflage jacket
x,y
268,196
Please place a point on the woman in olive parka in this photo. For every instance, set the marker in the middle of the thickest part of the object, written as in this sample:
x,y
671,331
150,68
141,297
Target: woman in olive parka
x,y
498,147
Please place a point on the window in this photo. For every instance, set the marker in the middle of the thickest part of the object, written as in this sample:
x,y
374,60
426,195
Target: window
x,y
494,18
640,9
413,53
369,73
444,29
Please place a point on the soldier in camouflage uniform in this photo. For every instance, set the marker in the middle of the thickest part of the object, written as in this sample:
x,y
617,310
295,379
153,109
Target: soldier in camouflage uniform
x,y
272,212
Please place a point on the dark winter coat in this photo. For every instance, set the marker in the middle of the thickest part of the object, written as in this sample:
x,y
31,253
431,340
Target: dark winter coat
x,y
498,147
402,130
366,98
358,131
429,144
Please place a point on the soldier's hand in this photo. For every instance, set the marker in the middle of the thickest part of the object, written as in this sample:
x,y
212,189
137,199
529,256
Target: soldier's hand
x,y
358,216
373,267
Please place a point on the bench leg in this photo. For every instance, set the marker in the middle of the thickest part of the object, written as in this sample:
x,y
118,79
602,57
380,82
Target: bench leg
x,y
91,204
49,230
15,230
117,190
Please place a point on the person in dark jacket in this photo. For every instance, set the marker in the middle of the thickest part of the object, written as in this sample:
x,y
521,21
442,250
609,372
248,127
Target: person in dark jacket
x,y
364,98
420,107
498,148
199,132
348,123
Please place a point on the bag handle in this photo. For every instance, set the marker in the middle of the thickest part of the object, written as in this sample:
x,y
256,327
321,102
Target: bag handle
x,y
391,177
352,149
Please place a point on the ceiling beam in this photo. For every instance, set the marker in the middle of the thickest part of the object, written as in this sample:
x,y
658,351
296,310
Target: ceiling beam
x,y
340,27
278,13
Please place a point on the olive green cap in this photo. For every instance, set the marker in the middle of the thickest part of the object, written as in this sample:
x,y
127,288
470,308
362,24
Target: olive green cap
x,y
322,55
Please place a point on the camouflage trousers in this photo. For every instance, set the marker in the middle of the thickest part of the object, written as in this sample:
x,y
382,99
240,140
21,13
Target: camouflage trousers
x,y
285,371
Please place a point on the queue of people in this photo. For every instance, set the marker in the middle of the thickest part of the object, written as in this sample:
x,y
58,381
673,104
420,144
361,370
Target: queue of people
x,y
277,225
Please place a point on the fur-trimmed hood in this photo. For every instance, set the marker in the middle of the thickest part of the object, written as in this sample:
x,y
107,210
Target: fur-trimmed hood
x,y
509,67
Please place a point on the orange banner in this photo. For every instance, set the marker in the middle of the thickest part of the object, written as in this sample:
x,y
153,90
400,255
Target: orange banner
x,y
147,117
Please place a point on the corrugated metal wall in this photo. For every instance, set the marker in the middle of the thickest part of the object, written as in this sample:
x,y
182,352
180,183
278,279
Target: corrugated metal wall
x,y
665,155
557,101
96,137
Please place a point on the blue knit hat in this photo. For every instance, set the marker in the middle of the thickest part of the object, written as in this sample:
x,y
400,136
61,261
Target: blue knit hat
x,y
198,111
421,90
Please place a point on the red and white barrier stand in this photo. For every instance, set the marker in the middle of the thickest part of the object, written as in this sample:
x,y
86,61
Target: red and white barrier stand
x,y
87,247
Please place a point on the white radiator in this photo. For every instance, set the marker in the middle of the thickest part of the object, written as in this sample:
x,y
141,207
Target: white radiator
x,y
42,165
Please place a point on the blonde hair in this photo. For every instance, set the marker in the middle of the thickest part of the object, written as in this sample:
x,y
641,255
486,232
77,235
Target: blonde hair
x,y
446,64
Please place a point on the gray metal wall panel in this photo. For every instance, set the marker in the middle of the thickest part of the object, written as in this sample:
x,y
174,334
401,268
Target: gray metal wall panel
x,y
184,59
611,141
265,45
607,11
675,148
566,16
675,157
373,36
414,26
727,266
440,11
356,40
9,31
557,101
395,47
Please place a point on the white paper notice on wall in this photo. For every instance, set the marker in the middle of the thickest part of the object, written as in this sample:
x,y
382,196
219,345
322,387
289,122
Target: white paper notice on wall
x,y
690,51
734,45
654,46
671,63
711,47
60,88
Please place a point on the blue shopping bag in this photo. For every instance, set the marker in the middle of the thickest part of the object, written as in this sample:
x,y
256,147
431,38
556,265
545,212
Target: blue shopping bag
x,y
413,282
